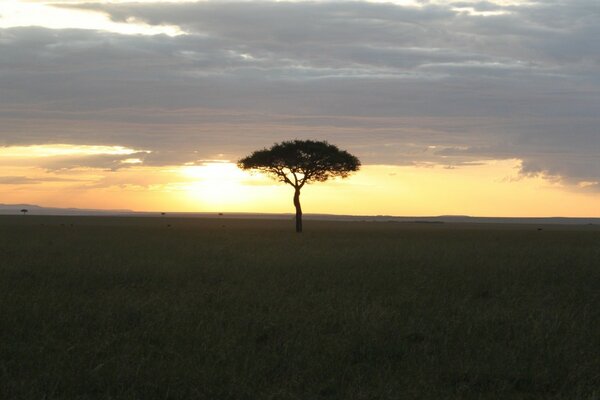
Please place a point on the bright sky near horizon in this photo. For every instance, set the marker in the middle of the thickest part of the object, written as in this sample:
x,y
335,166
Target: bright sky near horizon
x,y
454,107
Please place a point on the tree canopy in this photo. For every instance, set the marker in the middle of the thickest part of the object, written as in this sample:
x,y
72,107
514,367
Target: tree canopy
x,y
297,162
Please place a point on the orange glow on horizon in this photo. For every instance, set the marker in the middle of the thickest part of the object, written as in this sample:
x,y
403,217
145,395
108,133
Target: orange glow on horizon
x,y
491,188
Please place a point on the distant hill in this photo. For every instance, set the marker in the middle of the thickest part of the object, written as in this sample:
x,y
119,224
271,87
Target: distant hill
x,y
15,209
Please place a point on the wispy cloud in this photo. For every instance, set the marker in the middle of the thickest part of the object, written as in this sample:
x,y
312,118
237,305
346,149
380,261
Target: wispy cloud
x,y
24,180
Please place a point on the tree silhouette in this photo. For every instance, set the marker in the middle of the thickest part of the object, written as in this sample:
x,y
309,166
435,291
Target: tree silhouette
x,y
298,162
24,211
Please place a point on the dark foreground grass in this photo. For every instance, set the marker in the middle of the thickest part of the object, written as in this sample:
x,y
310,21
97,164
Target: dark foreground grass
x,y
109,308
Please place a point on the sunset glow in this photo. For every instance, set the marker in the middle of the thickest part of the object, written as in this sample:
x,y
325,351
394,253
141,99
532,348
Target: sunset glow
x,y
490,189
217,185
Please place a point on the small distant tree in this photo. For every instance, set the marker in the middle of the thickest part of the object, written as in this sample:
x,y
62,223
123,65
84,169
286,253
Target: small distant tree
x,y
298,162
24,211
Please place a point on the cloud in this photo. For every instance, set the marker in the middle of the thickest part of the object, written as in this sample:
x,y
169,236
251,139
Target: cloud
x,y
385,81
110,162
24,180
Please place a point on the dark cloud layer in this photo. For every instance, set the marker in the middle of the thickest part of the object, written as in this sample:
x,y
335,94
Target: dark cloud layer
x,y
397,85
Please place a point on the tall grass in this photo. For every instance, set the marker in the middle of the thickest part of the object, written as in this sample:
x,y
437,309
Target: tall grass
x,y
131,308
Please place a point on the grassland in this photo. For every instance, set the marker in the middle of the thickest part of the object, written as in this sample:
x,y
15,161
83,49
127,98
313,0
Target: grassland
x,y
159,308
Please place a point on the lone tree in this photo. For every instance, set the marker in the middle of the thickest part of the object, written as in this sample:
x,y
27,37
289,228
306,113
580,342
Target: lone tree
x,y
24,211
298,162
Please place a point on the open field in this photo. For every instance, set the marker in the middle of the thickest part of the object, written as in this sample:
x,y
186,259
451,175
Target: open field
x,y
132,308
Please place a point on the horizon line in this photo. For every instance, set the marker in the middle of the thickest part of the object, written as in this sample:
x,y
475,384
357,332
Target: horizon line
x,y
5,209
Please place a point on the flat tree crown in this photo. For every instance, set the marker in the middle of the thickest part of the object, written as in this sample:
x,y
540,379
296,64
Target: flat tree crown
x,y
297,162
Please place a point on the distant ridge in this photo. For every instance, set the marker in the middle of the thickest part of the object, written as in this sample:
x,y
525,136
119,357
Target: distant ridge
x,y
15,209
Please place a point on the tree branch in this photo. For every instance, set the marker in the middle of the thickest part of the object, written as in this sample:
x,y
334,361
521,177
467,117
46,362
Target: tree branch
x,y
279,172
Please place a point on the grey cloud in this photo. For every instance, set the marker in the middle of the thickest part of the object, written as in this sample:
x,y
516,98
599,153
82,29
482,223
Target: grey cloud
x,y
305,29
24,180
387,82
480,6
101,161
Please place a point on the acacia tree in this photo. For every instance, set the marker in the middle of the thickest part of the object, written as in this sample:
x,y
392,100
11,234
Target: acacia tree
x,y
298,162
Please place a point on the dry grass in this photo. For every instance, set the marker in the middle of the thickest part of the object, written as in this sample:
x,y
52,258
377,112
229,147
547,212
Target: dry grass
x,y
129,308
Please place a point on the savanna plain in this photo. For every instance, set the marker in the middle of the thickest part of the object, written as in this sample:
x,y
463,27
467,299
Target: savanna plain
x,y
218,308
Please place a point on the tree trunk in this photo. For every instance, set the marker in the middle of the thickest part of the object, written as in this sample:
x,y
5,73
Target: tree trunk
x,y
298,210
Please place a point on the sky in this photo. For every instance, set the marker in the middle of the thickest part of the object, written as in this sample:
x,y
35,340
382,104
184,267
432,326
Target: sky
x,y
485,108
